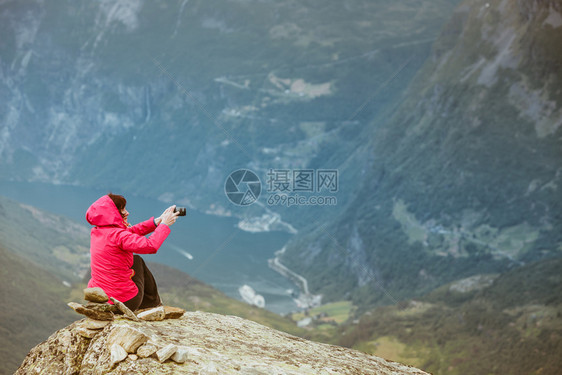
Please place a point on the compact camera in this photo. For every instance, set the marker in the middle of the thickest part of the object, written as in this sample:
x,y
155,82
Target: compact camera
x,y
181,210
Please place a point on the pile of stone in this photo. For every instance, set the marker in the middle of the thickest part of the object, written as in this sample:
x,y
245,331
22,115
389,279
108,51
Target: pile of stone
x,y
125,341
99,308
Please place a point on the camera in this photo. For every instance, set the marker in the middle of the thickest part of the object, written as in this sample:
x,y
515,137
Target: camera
x,y
181,210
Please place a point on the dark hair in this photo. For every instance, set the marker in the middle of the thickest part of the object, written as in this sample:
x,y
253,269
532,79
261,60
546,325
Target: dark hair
x,y
119,201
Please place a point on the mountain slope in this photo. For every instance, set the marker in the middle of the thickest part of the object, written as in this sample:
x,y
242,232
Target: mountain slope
x,y
32,308
228,85
486,324
465,176
52,242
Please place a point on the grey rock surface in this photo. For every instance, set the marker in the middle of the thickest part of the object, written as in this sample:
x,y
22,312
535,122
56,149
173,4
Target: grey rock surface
x,y
156,313
146,350
106,307
215,344
95,295
125,310
61,353
173,312
94,324
92,314
118,354
166,352
130,338
181,354
87,333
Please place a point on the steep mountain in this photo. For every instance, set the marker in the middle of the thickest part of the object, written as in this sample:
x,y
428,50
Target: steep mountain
x,y
485,324
209,343
166,99
464,177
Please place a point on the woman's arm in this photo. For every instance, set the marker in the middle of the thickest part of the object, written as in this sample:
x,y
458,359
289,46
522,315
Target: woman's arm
x,y
142,245
149,225
143,228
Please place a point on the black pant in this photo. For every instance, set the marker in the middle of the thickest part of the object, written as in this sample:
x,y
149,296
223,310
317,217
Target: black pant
x,y
148,291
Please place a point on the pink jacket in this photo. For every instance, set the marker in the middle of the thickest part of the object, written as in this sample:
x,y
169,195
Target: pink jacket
x,y
112,246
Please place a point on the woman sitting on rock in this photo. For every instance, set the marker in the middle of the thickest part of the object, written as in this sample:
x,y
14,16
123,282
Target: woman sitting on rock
x,y
115,269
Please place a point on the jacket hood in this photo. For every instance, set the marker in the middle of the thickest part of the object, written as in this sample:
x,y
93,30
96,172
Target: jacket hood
x,y
103,212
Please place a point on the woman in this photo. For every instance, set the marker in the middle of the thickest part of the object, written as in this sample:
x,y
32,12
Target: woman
x,y
115,269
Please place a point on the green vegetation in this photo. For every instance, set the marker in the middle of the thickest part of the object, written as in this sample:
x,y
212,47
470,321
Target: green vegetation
x,y
390,347
466,239
54,243
33,307
513,326
326,320
337,312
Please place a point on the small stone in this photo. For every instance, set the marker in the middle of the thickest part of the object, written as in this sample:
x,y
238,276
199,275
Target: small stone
x,y
94,324
166,352
85,332
128,337
93,314
156,313
125,310
133,357
105,307
146,350
95,295
180,356
173,312
118,354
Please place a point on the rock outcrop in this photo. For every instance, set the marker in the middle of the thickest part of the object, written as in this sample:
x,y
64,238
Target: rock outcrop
x,y
95,295
196,343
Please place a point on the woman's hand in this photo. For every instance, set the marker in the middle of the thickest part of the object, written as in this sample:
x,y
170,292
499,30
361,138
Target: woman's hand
x,y
168,217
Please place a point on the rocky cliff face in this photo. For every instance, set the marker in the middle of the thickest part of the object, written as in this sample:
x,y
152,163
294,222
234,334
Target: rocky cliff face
x,y
197,343
228,85
465,177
